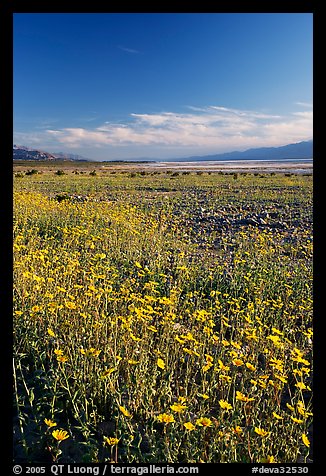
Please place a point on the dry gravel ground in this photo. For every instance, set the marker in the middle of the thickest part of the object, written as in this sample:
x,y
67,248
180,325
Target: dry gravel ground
x,y
297,167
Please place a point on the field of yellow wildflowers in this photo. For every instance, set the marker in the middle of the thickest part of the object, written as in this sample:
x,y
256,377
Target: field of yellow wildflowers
x,y
162,317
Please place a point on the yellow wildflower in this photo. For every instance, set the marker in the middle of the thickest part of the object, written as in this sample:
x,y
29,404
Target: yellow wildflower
x,y
108,372
203,395
207,366
225,405
274,339
125,411
238,430
204,422
242,398
269,459
223,367
296,420
261,432
178,407
50,423
160,364
110,441
301,409
278,417
281,378
250,366
237,362
189,426
165,418
305,440
226,378
60,435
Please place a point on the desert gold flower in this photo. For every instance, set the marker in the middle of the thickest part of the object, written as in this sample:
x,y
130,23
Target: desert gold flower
x,y
242,398
207,366
250,366
261,432
203,421
223,367
296,420
237,362
125,411
62,358
160,363
50,423
189,426
301,385
111,441
281,378
225,405
278,417
290,407
203,395
165,418
238,430
225,342
274,339
91,352
226,378
134,338
305,440
60,435
301,409
108,372
51,333
269,459
178,407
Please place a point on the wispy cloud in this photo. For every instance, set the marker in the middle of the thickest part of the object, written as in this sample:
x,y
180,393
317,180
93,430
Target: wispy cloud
x,y
128,50
201,130
304,104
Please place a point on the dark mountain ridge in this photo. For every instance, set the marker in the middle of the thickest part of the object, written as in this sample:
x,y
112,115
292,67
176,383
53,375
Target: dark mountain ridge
x,y
300,150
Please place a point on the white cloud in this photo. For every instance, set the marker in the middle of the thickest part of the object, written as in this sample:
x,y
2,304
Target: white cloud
x,y
304,104
201,130
128,50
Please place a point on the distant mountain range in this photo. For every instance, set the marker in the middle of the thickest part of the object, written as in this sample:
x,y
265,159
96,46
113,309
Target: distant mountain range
x,y
21,152
300,150
25,153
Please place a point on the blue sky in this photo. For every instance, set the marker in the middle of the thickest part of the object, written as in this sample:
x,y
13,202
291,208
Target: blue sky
x,y
118,86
